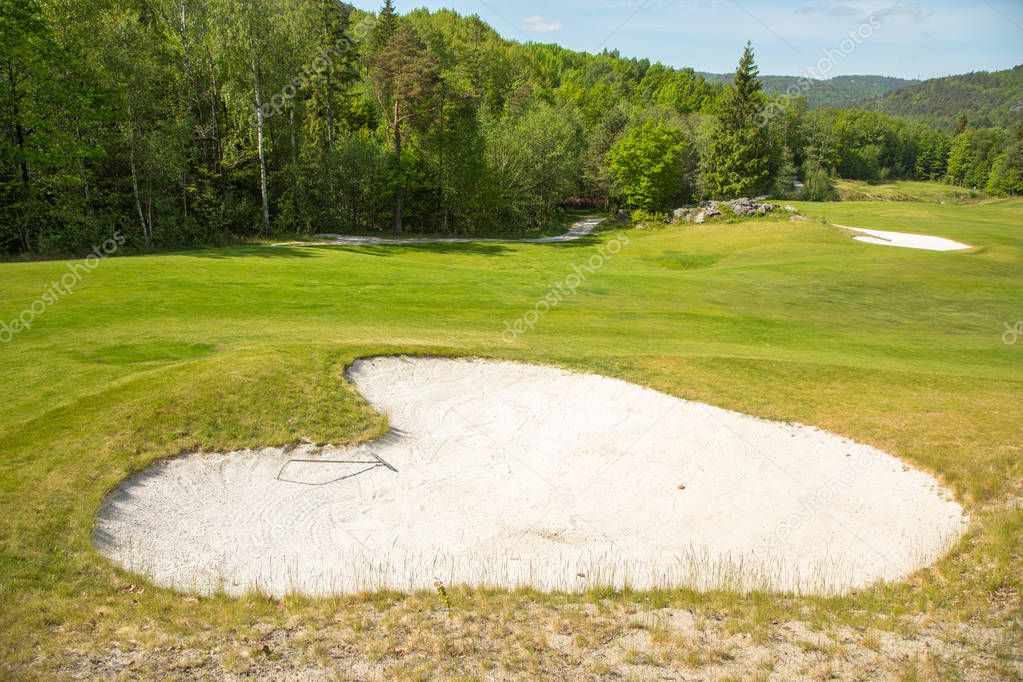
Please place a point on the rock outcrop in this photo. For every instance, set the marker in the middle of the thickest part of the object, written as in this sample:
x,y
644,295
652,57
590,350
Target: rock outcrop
x,y
744,207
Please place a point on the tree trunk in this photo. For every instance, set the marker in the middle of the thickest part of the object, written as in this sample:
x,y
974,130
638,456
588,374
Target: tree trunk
x,y
136,194
135,179
259,143
19,130
330,114
149,207
441,193
26,176
294,141
81,167
327,83
184,194
401,178
192,78
215,103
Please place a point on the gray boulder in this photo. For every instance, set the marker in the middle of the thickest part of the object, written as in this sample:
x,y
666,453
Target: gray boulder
x,y
744,206
704,215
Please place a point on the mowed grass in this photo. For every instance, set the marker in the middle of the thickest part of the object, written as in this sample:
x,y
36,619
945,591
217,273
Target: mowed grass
x,y
906,190
241,347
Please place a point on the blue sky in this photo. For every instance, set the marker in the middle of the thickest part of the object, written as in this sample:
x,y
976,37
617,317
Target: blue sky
x,y
905,39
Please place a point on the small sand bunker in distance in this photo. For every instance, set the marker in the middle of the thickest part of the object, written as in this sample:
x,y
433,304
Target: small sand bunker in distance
x,y
906,240
504,474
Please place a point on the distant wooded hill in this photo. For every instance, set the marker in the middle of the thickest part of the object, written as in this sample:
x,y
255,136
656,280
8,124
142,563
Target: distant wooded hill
x,y
840,91
987,98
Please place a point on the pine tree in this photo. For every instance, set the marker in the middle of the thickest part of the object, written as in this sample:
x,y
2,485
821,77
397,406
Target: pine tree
x,y
475,61
787,174
745,99
407,84
387,24
818,165
961,125
738,161
340,73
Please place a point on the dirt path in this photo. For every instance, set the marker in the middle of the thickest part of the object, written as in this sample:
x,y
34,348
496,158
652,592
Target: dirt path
x,y
578,230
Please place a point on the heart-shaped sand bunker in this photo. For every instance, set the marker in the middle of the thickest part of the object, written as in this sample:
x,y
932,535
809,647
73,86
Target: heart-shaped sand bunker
x,y
505,474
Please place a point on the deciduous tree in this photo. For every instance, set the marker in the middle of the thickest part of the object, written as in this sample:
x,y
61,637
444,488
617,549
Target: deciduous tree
x,y
647,165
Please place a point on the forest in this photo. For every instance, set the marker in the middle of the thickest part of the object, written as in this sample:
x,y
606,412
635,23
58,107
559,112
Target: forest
x,y
187,122
838,91
986,98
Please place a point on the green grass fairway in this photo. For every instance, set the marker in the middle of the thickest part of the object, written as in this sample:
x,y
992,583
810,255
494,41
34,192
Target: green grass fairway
x,y
906,190
236,347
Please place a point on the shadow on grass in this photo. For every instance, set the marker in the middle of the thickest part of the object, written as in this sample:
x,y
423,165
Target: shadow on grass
x,y
468,248
449,248
253,250
483,246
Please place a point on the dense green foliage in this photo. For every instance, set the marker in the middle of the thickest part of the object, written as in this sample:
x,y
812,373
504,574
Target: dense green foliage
x,y
987,159
648,163
986,98
180,122
840,91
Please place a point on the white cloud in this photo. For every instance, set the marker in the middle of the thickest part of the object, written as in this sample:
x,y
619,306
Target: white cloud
x,y
843,9
913,10
538,24
838,10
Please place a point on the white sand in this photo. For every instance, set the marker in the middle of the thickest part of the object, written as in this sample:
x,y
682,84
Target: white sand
x,y
513,474
577,231
906,240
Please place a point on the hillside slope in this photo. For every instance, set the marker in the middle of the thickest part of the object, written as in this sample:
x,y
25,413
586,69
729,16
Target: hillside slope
x,y
840,91
986,98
